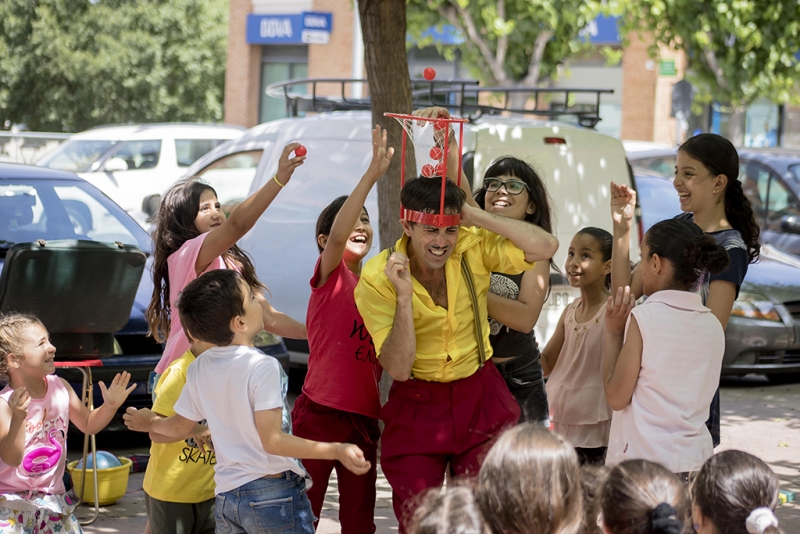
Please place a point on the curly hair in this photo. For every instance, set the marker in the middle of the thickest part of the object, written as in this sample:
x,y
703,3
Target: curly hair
x,y
174,226
12,332
719,156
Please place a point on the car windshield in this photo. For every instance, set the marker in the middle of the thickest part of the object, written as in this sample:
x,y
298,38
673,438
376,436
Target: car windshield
x,y
76,156
63,209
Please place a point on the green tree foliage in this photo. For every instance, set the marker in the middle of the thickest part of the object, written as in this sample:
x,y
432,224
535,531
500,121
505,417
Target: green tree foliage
x,y
738,50
67,65
508,42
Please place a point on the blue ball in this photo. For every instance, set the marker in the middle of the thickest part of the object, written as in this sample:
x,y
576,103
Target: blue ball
x,y
104,461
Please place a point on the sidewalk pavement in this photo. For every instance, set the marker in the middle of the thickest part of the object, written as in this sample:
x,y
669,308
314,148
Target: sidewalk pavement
x,y
758,418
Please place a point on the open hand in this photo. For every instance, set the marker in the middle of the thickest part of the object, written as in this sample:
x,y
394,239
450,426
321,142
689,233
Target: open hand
x,y
623,203
286,166
618,308
119,390
139,420
398,271
381,156
353,458
18,402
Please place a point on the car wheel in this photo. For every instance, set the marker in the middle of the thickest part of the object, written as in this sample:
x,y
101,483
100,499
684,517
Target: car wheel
x,y
784,378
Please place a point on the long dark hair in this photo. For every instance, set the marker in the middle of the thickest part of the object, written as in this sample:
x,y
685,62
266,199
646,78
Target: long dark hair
x,y
174,225
688,249
719,156
511,166
730,485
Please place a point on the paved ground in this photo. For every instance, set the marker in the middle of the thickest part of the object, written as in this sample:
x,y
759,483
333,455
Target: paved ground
x,y
757,417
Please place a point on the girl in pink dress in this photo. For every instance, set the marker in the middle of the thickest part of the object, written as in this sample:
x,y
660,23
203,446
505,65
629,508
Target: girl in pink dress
x,y
35,412
192,235
574,355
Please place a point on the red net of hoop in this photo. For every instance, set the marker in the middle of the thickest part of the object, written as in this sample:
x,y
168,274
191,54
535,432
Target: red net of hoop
x,y
429,137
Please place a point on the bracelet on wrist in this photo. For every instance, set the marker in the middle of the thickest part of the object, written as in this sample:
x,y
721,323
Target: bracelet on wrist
x,y
275,177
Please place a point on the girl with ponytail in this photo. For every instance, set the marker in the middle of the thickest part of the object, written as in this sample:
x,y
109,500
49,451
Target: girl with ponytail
x,y
641,497
735,493
711,196
663,358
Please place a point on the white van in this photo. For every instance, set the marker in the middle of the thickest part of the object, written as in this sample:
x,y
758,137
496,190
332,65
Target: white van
x,y
576,164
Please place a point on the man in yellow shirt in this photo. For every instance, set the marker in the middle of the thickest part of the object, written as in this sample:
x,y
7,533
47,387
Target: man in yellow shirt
x,y
424,303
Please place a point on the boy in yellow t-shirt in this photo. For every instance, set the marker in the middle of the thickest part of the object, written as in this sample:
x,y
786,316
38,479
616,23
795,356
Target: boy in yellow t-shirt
x,y
179,481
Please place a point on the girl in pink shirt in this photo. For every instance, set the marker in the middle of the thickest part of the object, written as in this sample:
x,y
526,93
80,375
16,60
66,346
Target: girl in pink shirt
x,y
35,412
340,399
574,355
664,356
192,235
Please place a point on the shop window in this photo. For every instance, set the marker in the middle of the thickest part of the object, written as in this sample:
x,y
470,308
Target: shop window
x,y
280,63
761,124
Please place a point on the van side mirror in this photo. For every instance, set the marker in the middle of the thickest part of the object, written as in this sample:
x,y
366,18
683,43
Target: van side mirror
x,y
791,224
115,165
150,205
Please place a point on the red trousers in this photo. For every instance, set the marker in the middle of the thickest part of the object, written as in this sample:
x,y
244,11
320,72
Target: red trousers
x,y
430,425
356,492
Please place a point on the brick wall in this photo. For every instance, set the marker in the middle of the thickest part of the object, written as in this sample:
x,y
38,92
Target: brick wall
x,y
335,59
243,69
639,73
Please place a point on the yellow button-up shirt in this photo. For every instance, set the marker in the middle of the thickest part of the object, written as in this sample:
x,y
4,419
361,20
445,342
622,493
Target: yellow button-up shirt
x,y
447,348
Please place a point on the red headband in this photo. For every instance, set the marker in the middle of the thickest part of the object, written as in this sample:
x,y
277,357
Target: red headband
x,y
432,219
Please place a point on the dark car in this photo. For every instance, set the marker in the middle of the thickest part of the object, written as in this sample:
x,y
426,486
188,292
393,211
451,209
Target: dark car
x,y
92,216
770,179
763,334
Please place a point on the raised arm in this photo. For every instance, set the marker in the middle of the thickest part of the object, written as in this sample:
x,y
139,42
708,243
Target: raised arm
x,y
12,426
399,350
244,216
623,209
623,356
92,422
536,243
523,313
276,442
351,210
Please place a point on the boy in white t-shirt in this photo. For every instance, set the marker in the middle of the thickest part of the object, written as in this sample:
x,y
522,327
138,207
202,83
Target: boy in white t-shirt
x,y
241,392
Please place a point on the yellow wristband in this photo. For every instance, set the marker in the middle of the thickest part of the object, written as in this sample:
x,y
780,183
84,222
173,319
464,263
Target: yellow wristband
x,y
277,182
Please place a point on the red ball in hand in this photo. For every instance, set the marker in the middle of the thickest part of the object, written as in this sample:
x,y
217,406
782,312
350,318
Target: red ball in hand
x,y
300,151
429,73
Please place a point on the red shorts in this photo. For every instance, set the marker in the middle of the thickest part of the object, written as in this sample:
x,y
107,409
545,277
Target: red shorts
x,y
430,425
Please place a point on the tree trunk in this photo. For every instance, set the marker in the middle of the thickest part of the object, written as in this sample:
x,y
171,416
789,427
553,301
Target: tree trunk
x,y
736,125
383,25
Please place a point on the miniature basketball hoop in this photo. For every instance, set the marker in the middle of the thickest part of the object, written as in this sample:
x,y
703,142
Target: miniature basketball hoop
x,y
430,138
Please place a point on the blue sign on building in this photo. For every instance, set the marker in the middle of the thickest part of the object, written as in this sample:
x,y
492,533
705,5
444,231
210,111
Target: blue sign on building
x,y
307,27
603,30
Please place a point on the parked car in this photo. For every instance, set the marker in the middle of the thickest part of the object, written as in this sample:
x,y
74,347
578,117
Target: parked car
x,y
763,334
40,203
770,179
575,163
129,163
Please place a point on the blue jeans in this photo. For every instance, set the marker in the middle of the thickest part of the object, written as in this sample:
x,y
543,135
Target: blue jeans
x,y
266,505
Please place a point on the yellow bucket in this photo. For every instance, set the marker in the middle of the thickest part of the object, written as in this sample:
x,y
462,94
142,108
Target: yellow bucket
x,y
112,482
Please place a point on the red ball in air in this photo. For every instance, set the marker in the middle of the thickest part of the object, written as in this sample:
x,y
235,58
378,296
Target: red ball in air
x,y
436,153
428,170
429,73
300,151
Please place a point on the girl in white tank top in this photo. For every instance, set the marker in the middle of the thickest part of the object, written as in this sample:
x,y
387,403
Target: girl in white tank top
x,y
663,357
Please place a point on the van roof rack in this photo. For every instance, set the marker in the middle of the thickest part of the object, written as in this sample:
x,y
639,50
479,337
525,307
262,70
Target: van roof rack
x,y
462,95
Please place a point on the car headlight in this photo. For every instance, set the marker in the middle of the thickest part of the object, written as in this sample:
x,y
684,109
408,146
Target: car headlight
x,y
755,306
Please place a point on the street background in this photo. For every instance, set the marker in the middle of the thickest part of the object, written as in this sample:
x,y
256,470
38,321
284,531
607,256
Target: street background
x,y
758,417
